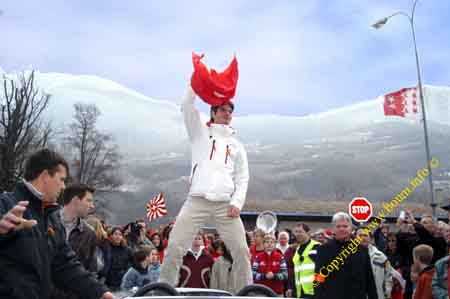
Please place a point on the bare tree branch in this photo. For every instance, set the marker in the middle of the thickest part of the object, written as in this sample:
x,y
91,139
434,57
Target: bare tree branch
x,y
22,129
94,155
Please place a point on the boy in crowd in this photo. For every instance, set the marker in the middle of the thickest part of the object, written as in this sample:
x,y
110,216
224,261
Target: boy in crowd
x,y
423,255
145,270
269,266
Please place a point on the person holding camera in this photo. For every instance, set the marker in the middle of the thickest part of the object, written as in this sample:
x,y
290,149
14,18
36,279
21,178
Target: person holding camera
x,y
135,236
426,233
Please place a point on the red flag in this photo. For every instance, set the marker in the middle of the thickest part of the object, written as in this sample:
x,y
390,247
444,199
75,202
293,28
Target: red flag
x,y
403,103
156,207
212,87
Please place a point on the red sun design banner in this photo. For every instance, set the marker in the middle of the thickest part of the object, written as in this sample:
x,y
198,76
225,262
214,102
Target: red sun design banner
x,y
156,207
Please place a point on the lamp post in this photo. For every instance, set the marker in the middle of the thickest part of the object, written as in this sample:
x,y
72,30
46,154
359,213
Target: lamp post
x,y
380,23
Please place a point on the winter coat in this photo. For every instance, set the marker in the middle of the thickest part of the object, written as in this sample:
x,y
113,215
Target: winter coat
x,y
117,261
353,280
380,240
35,260
219,160
196,272
423,286
439,284
84,243
253,253
137,276
438,244
381,272
274,262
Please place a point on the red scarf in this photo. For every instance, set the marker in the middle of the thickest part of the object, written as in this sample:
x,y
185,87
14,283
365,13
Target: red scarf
x,y
214,88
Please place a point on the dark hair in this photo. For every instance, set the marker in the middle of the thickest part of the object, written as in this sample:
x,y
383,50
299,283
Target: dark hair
x,y
41,160
226,253
160,247
112,231
391,235
78,190
215,108
248,238
304,226
141,253
166,232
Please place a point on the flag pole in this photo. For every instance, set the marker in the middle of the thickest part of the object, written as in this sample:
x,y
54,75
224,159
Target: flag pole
x,y
380,24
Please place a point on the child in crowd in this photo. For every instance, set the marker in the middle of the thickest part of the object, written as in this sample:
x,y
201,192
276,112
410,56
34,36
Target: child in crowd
x,y
145,269
269,266
423,255
197,263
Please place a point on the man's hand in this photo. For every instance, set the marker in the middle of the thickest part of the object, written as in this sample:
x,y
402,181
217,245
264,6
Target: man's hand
x,y
410,217
108,295
233,211
289,293
269,275
13,220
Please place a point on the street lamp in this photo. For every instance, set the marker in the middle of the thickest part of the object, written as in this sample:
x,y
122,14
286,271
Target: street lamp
x,y
380,23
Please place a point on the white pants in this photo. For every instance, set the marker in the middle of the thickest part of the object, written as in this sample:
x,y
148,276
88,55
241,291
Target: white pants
x,y
196,212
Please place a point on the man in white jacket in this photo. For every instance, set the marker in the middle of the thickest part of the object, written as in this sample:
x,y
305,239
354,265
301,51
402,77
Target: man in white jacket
x,y
219,180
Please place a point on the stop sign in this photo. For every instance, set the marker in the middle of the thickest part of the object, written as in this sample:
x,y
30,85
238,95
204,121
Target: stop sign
x,y
360,209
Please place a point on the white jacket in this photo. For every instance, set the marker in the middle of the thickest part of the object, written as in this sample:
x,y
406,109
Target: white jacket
x,y
219,162
382,272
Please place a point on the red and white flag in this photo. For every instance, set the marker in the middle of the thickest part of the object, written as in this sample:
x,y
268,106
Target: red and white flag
x,y
403,103
156,207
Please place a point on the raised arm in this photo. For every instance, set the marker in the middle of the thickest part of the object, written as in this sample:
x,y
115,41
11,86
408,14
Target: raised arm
x,y
191,115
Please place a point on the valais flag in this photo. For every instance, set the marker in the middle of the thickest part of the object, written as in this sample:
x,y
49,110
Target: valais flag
x,y
156,207
403,103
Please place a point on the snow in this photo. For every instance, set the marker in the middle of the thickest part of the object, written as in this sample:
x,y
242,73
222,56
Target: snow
x,y
145,126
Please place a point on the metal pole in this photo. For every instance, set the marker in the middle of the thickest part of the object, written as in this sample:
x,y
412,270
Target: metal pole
x,y
424,117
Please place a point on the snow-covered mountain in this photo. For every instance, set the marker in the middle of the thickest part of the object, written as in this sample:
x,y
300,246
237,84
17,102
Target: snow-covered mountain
x,y
334,155
141,125
146,126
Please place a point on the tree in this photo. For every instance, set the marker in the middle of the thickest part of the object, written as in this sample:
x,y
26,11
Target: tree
x,y
22,127
95,155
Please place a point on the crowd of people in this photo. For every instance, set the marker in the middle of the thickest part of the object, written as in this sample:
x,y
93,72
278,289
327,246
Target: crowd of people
x,y
82,256
51,249
397,261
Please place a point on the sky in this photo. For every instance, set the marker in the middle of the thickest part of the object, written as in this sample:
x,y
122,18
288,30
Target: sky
x,y
296,57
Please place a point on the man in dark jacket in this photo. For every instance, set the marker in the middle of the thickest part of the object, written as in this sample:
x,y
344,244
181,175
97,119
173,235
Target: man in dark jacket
x,y
426,235
343,268
78,201
34,253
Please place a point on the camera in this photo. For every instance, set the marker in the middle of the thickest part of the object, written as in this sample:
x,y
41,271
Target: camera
x,y
402,216
135,228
